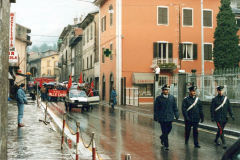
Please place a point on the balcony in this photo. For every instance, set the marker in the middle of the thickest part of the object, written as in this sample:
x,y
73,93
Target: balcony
x,y
165,64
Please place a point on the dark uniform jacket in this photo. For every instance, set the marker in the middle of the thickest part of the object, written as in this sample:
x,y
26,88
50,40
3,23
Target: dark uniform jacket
x,y
195,113
221,114
165,109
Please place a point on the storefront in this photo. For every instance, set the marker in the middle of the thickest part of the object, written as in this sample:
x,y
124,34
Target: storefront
x,y
145,84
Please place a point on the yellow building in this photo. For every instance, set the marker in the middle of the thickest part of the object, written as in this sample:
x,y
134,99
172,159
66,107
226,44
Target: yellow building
x,y
49,65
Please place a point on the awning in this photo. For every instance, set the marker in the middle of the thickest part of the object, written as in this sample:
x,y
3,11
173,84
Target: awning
x,y
143,78
9,76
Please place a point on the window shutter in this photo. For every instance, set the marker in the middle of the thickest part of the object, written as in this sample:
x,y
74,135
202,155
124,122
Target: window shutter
x,y
205,52
105,27
184,17
210,52
160,16
170,50
155,51
190,17
204,20
180,51
210,18
165,19
102,24
194,51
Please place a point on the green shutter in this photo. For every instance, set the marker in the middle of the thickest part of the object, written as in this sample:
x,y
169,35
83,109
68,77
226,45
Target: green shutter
x,y
190,17
180,51
210,52
205,52
184,17
210,18
160,15
194,51
204,20
170,50
155,50
165,14
102,24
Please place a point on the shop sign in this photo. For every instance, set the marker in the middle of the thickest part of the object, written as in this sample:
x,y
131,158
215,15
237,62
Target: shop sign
x,y
13,57
12,30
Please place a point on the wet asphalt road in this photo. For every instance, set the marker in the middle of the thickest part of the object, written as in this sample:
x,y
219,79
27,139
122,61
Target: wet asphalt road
x,y
120,132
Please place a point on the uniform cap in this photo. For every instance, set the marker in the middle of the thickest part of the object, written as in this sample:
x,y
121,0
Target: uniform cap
x,y
220,88
192,88
166,87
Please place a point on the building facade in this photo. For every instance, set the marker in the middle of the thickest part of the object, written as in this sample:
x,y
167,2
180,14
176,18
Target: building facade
x,y
142,35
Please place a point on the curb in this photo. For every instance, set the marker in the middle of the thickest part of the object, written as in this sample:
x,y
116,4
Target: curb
x,y
203,126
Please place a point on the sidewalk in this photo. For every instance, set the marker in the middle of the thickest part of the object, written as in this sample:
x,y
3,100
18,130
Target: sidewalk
x,y
147,110
35,140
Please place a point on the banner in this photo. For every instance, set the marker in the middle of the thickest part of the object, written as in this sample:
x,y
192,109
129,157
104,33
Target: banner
x,y
57,93
13,57
12,30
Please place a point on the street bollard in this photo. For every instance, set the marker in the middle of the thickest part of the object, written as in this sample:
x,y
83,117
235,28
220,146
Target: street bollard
x,y
77,141
64,117
93,147
127,157
46,112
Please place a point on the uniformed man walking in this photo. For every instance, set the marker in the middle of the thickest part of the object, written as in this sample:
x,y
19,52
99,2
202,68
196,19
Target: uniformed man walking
x,y
164,110
192,111
220,105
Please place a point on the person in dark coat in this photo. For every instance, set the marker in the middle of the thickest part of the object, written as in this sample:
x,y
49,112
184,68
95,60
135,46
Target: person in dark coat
x,y
192,112
220,105
164,110
113,97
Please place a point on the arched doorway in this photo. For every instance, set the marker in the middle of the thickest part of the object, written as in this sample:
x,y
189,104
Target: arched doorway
x,y
103,88
111,84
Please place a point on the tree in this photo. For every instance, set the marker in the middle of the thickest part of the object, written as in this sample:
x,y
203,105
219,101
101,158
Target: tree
x,y
225,51
35,49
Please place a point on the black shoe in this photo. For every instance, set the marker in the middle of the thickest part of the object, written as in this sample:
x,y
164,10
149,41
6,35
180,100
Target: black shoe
x,y
224,146
166,148
197,146
186,142
217,142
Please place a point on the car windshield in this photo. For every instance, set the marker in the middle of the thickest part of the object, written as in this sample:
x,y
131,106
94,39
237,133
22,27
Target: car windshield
x,y
77,94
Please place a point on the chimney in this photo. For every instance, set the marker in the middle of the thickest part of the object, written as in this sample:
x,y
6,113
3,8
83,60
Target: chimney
x,y
80,19
75,20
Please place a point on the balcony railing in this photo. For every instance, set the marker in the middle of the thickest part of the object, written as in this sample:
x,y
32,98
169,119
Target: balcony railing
x,y
159,61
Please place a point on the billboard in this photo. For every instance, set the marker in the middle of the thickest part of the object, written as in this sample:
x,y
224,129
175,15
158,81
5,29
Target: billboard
x,y
12,30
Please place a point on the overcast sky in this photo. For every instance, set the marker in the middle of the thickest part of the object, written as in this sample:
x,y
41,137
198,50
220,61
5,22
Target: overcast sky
x,y
48,17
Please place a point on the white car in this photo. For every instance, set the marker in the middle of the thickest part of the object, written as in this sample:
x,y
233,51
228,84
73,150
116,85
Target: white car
x,y
79,99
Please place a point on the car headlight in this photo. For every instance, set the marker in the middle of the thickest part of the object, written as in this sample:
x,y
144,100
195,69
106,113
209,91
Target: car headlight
x,y
72,101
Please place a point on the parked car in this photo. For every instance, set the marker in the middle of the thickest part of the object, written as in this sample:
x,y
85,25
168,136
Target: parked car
x,y
232,152
78,99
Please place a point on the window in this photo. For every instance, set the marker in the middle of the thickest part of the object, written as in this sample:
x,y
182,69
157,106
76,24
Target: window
x,y
56,64
111,49
91,32
145,90
103,23
91,61
207,18
111,15
87,62
162,81
187,51
103,56
83,38
87,35
49,72
207,51
163,51
238,22
163,15
48,63
187,17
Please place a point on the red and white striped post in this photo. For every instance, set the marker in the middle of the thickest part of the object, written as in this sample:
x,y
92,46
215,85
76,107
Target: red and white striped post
x,y
64,118
93,147
77,141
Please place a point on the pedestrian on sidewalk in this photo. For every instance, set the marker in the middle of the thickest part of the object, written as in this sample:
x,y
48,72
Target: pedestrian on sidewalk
x,y
43,93
21,100
220,105
192,112
113,97
164,110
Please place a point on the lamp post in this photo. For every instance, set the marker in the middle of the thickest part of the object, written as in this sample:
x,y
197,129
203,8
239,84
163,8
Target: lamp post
x,y
202,48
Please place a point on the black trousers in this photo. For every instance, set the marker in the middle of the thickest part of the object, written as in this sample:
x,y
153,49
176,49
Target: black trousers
x,y
220,133
166,129
188,126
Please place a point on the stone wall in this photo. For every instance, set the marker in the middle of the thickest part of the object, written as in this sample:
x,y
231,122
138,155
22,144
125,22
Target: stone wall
x,y
4,49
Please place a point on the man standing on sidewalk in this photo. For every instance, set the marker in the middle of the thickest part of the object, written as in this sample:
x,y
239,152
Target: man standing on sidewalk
x,y
21,100
192,112
164,110
220,105
113,97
